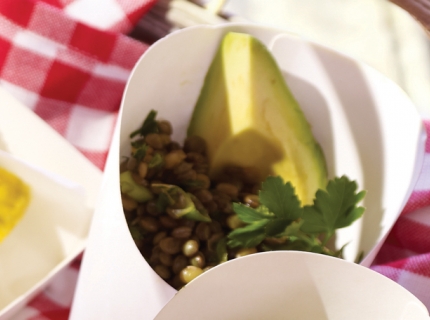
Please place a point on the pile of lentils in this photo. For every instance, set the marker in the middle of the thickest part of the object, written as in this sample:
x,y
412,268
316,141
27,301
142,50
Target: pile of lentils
x,y
181,248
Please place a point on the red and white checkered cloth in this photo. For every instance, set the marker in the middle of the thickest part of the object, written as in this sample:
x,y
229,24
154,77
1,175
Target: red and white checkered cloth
x,y
405,255
72,75
69,60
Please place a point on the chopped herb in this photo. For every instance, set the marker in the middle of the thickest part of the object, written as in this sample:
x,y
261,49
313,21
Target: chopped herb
x,y
156,161
163,201
132,189
140,152
149,125
171,195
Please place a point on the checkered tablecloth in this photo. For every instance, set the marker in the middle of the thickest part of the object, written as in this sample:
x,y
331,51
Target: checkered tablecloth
x,y
69,60
405,255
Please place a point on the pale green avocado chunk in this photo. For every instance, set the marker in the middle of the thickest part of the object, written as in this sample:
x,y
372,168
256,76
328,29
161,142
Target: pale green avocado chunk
x,y
249,118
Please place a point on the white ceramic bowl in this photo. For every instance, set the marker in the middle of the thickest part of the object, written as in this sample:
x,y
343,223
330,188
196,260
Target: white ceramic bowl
x,y
55,226
366,125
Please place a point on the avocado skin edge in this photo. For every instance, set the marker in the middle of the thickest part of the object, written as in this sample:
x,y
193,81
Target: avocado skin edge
x,y
249,117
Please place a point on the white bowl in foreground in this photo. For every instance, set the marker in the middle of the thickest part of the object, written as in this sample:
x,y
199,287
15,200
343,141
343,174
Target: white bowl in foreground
x,y
367,127
55,226
292,285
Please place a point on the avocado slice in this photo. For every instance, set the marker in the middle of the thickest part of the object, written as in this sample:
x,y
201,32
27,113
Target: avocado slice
x,y
249,118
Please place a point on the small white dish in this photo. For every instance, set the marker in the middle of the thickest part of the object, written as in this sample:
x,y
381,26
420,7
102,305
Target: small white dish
x,y
55,226
367,127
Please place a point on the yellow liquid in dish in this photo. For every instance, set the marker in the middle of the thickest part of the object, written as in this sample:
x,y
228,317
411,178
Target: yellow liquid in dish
x,y
14,200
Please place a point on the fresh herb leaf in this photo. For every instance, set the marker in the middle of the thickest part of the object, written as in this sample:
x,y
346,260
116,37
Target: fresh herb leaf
x,y
276,227
156,161
333,208
199,215
293,230
280,198
281,216
248,236
296,237
248,214
163,201
149,125
132,189
280,207
170,195
140,152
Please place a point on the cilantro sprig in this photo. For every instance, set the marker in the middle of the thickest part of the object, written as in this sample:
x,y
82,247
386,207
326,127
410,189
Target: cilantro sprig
x,y
290,226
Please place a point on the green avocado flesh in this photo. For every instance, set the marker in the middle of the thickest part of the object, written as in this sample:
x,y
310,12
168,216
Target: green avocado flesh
x,y
249,118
